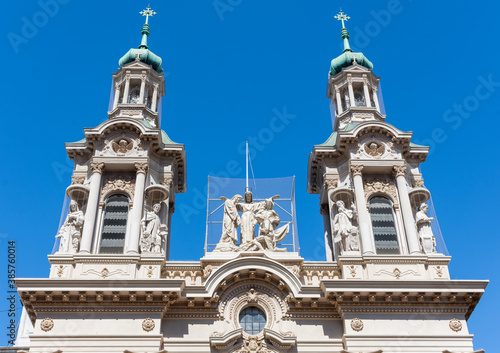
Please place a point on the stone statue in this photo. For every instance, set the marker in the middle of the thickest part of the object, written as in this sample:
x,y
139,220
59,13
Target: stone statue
x,y
248,221
427,239
71,231
151,231
268,220
230,223
345,235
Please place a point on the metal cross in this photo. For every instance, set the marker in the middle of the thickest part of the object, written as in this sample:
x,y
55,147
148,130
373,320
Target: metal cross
x,y
342,17
148,13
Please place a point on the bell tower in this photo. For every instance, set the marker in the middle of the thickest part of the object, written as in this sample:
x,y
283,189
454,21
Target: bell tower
x,y
372,195
126,176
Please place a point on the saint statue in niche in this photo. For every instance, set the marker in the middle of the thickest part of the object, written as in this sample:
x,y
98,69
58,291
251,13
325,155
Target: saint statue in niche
x,y
424,229
71,231
345,235
151,231
230,223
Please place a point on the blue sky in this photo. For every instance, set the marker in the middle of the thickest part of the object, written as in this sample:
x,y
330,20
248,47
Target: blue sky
x,y
231,66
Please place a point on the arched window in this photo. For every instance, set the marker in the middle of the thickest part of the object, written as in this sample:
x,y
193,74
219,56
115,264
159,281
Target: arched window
x,y
114,225
384,227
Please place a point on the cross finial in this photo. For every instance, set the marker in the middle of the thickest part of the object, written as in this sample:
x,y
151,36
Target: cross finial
x,y
148,13
342,17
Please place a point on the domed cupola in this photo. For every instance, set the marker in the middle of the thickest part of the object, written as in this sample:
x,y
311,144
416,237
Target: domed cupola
x,y
352,86
143,53
348,56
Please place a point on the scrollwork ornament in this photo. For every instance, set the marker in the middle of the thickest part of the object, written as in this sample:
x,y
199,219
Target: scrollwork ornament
x,y
455,325
148,324
357,324
357,170
47,324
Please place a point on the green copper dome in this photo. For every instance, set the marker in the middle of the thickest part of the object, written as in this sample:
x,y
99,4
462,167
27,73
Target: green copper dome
x,y
143,53
347,57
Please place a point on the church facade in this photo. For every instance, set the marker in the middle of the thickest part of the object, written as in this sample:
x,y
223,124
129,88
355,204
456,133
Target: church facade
x,y
384,287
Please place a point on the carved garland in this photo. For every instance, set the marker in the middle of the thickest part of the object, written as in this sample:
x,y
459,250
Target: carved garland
x,y
386,187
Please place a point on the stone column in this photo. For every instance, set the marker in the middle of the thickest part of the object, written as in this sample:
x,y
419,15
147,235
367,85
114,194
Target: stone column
x,y
127,88
351,91
339,101
143,89
375,99
92,204
409,223
367,92
363,215
117,95
155,98
136,213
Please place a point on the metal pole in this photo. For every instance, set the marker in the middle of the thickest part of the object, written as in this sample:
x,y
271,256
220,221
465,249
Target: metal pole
x,y
246,186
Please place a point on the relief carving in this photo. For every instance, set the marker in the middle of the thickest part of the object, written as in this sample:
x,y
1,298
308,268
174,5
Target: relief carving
x,y
118,183
381,186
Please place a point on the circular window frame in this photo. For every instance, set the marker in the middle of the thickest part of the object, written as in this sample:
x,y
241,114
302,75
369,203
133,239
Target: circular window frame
x,y
262,310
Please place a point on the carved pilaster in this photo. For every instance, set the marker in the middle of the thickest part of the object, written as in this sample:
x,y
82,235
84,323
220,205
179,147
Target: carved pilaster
x,y
357,170
141,167
97,167
399,170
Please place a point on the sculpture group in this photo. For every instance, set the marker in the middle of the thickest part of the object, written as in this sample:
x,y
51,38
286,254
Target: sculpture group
x,y
252,213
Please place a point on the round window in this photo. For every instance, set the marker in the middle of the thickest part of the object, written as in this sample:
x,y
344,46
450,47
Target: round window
x,y
252,320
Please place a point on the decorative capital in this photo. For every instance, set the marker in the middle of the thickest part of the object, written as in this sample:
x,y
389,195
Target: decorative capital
x,y
141,167
127,78
117,86
156,86
77,180
97,167
418,183
357,169
166,182
399,170
143,78
331,183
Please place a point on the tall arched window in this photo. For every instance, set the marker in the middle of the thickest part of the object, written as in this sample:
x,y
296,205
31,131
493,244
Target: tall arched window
x,y
114,225
384,227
